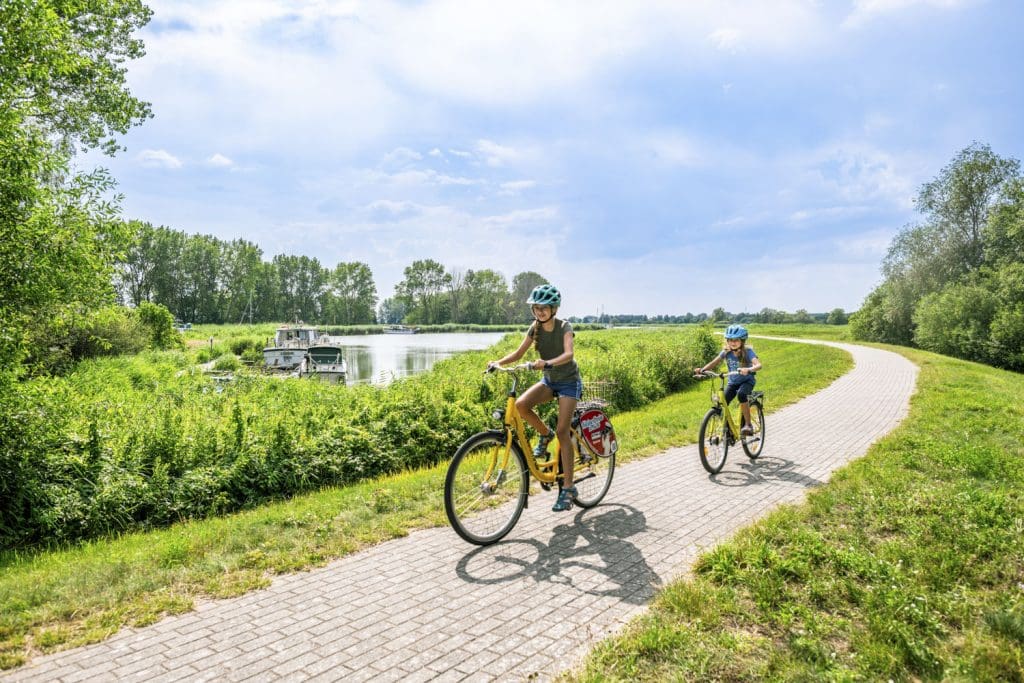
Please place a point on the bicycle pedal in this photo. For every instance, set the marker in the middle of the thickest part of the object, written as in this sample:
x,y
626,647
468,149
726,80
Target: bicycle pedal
x,y
546,486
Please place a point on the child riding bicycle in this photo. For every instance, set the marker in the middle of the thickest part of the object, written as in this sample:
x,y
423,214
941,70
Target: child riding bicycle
x,y
741,359
553,340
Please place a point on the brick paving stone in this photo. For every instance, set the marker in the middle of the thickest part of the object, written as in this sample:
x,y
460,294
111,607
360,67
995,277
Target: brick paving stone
x,y
430,607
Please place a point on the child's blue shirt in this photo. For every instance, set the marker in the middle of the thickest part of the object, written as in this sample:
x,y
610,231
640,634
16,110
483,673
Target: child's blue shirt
x,y
733,362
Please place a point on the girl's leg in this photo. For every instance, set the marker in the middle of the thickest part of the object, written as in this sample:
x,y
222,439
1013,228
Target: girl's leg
x,y
566,406
530,399
745,408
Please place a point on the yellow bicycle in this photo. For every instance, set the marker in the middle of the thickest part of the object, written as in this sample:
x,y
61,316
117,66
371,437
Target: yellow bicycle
x,y
488,482
718,429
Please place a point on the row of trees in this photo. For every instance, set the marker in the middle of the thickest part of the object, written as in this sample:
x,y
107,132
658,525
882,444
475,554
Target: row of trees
x,y
954,283
431,295
202,279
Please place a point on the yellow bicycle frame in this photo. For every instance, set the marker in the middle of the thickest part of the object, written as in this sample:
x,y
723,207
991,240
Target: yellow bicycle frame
x,y
720,400
515,428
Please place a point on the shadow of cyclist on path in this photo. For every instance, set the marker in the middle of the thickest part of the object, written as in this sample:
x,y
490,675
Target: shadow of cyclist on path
x,y
591,555
765,471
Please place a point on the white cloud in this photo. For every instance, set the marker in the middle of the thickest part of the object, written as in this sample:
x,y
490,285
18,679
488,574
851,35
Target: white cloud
x,y
158,158
498,155
220,161
725,39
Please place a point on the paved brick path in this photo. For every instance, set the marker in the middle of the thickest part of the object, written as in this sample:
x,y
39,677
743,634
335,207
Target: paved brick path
x,y
431,607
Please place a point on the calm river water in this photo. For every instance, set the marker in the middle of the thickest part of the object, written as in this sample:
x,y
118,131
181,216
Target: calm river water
x,y
379,358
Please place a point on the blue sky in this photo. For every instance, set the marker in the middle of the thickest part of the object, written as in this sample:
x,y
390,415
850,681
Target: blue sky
x,y
647,157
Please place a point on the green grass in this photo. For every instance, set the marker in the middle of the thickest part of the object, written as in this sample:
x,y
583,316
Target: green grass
x,y
825,332
908,565
51,600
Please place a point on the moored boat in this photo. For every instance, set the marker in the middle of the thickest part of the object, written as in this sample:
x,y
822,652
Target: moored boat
x,y
399,329
325,361
288,348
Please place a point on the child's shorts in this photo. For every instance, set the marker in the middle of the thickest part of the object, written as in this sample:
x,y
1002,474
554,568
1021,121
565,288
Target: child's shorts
x,y
572,389
741,388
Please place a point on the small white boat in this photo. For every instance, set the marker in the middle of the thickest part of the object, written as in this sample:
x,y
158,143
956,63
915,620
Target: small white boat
x,y
399,329
325,362
288,348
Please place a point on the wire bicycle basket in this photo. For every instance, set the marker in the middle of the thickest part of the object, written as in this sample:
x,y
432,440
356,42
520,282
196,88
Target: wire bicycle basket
x,y
598,394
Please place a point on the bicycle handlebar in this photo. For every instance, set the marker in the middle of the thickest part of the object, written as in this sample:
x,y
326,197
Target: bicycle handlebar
x,y
513,368
712,373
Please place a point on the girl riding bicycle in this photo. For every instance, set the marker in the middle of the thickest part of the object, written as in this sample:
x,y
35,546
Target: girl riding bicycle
x,y
553,340
742,359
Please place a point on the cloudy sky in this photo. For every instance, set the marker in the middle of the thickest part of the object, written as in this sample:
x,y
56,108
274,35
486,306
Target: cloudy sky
x,y
645,156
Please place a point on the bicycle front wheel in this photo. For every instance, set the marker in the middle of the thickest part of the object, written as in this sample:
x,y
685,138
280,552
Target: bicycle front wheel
x,y
753,444
592,475
713,444
483,501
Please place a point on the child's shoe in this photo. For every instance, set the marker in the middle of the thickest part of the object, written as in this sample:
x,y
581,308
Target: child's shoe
x,y
565,498
542,444
747,430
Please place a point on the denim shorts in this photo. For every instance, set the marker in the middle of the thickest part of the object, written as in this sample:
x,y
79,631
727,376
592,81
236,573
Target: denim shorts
x,y
571,389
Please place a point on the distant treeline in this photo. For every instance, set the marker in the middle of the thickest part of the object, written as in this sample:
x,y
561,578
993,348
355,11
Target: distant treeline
x,y
202,279
721,316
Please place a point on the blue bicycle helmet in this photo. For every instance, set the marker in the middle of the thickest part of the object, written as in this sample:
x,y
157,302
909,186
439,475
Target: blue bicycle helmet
x,y
545,295
735,332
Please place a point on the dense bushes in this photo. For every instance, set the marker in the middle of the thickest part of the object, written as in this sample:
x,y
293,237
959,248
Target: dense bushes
x,y
125,443
955,284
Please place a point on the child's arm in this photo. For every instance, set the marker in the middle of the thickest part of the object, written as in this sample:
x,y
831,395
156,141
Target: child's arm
x,y
514,356
712,363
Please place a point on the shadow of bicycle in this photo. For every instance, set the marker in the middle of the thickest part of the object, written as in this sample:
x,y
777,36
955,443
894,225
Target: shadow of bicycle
x,y
591,555
765,471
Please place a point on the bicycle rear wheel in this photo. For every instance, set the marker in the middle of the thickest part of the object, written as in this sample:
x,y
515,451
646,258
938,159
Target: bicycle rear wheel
x,y
753,444
713,444
592,475
483,502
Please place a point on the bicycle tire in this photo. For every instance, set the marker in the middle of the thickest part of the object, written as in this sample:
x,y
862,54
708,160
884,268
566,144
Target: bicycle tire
x,y
752,445
483,512
713,443
592,475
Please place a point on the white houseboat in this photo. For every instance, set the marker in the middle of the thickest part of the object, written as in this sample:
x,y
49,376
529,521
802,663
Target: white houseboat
x,y
288,348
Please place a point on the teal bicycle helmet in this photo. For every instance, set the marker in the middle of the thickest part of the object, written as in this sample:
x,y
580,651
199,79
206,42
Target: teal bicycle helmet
x,y
545,295
735,332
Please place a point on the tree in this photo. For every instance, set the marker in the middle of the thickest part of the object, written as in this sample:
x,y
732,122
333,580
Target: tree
x,y
421,290
392,311
958,202
522,284
353,295
837,317
62,87
486,292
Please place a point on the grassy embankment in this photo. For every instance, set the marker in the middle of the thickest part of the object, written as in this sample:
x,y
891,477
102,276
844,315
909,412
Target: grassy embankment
x,y
52,599
908,565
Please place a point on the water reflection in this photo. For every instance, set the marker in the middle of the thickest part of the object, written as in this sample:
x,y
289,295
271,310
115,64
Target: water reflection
x,y
379,358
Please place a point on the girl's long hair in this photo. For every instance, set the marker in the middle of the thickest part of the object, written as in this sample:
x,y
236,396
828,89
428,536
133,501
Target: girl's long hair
x,y
741,353
536,329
